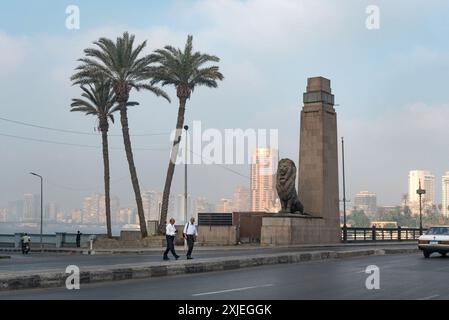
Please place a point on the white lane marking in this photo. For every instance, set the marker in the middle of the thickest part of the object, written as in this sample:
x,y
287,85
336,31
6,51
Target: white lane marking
x,y
429,297
231,290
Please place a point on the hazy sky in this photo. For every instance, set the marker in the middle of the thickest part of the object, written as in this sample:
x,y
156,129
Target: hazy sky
x,y
390,84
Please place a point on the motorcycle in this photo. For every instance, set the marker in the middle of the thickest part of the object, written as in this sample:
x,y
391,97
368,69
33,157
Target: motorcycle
x,y
26,248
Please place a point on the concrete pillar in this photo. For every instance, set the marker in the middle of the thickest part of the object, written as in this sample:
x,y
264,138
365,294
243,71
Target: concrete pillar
x,y
17,243
60,239
318,157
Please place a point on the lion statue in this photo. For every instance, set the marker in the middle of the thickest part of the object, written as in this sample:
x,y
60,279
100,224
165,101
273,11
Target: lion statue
x,y
285,185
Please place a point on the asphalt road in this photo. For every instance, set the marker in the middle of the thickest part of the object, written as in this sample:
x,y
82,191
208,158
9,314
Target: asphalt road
x,y
401,277
59,261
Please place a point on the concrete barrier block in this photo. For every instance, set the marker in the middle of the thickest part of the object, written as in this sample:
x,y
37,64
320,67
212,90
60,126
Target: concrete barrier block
x,y
194,268
159,271
141,273
231,264
122,274
101,275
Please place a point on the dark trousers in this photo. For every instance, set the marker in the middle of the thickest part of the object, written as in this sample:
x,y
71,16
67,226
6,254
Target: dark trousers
x,y
170,246
78,243
190,244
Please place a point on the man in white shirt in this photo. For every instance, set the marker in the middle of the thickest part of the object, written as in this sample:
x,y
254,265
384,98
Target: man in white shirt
x,y
170,233
190,234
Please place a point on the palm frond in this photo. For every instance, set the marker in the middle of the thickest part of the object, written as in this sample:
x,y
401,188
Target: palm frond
x,y
184,68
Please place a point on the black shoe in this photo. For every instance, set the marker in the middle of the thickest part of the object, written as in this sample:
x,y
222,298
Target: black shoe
x,y
189,258
177,257
166,258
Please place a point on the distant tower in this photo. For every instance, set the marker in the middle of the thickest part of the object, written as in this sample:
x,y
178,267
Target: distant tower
x,y
263,193
445,194
427,183
318,157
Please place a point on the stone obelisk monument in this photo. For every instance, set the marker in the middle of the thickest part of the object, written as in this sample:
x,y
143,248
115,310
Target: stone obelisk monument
x,y
318,158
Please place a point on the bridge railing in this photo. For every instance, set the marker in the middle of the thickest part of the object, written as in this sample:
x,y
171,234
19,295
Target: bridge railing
x,y
381,234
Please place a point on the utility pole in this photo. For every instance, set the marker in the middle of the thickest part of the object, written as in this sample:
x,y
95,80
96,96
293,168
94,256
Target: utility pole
x,y
345,231
186,128
420,192
42,206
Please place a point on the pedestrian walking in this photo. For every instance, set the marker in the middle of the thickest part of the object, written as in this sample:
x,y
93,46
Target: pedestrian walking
x,y
170,233
190,234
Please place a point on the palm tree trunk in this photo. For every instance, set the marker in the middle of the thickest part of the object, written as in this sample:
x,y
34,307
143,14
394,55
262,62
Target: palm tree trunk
x,y
171,165
107,197
132,170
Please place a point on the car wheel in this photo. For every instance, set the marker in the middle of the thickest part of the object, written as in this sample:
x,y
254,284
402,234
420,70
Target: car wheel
x,y
443,254
426,254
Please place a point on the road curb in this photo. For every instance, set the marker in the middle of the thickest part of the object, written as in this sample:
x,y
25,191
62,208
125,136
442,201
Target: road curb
x,y
118,273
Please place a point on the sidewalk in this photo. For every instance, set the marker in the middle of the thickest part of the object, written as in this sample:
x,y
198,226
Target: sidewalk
x,y
116,272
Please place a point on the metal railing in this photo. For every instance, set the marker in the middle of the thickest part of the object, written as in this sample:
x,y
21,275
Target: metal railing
x,y
381,234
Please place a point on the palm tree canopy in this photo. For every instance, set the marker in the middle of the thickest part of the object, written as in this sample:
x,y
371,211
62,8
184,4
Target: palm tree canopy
x,y
118,62
99,100
184,68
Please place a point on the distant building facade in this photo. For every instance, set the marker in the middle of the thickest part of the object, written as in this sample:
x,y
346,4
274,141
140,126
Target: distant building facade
x,y
445,195
366,201
427,183
241,201
224,206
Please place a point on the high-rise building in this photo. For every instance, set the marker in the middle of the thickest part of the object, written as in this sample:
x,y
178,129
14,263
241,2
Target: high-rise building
x,y
15,211
3,215
180,215
51,211
242,199
128,216
263,193
115,207
445,194
201,205
76,216
31,207
152,203
224,206
366,201
427,183
91,209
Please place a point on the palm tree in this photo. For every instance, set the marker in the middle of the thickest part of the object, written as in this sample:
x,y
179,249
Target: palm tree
x,y
99,100
119,62
185,70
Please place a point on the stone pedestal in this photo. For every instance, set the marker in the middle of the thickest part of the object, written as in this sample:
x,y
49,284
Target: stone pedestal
x,y
293,229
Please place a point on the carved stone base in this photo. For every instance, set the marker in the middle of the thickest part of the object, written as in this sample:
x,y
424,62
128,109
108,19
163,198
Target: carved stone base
x,y
293,229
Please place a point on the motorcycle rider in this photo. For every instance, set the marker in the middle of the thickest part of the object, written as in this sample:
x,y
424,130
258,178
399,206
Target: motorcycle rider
x,y
26,239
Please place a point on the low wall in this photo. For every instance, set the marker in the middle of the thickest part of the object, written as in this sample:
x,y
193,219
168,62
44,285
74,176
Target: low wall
x,y
57,240
217,235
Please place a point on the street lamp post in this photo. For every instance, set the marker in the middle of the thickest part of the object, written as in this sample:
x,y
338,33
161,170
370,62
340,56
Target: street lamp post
x,y
420,192
345,230
186,128
42,206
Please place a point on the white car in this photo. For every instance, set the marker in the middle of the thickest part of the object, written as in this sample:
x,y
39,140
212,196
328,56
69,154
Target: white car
x,y
436,239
